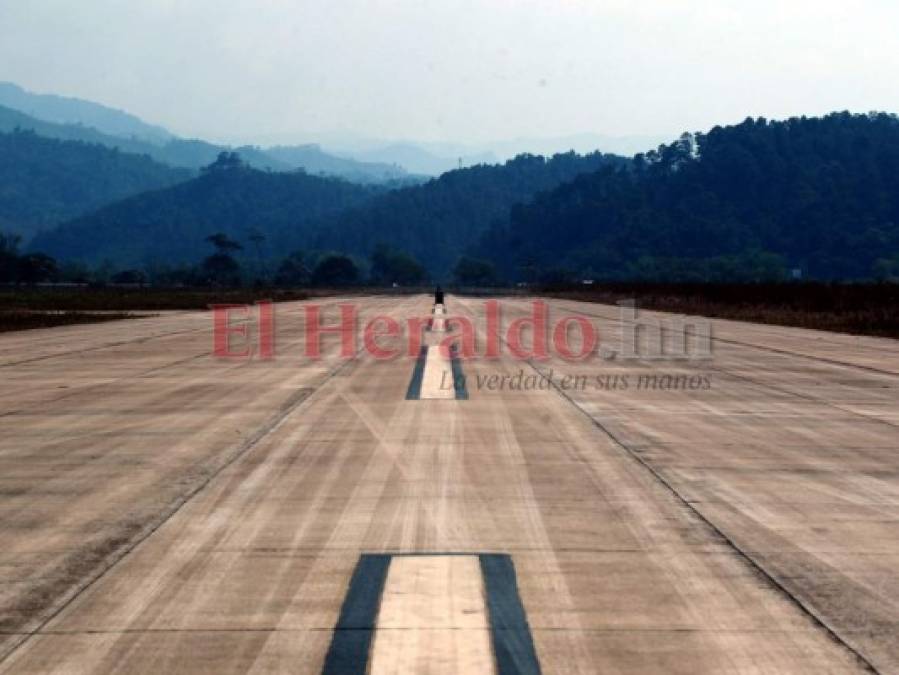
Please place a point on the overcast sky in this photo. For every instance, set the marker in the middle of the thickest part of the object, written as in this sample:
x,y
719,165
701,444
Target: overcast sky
x,y
457,70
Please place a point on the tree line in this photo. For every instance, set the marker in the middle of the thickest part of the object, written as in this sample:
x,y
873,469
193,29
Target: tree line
x,y
232,264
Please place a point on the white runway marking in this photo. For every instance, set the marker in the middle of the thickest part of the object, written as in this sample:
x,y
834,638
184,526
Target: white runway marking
x,y
433,618
437,381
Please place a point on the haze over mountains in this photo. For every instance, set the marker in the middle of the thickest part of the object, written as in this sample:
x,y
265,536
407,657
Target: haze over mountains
x,y
65,110
76,119
355,158
751,201
434,158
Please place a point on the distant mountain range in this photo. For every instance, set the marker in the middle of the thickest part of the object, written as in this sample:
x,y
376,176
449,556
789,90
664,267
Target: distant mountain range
x,y
418,160
314,160
754,201
355,158
63,110
434,158
76,119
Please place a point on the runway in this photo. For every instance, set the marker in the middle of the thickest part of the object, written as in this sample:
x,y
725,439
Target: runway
x,y
166,511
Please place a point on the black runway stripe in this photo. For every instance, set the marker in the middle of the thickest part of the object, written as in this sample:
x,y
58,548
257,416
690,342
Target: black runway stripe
x,y
459,378
351,644
413,393
513,645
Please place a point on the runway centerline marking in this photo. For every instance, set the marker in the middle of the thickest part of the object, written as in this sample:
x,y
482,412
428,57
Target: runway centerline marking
x,y
434,612
436,377
437,381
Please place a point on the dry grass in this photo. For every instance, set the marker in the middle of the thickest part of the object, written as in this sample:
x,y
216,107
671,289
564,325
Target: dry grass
x,y
860,309
12,320
136,299
36,307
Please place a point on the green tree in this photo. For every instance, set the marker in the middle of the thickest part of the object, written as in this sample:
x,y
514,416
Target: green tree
x,y
258,239
223,243
226,161
36,268
129,277
9,257
335,270
221,269
75,272
390,267
474,272
293,270
886,269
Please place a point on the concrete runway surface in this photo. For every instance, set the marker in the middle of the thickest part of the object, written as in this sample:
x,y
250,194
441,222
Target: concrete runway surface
x,y
164,511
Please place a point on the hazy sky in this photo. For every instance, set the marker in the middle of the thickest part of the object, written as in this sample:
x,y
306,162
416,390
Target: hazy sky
x,y
461,70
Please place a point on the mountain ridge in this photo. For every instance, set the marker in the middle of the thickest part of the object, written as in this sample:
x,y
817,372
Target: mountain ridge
x,y
80,120
170,226
44,181
70,110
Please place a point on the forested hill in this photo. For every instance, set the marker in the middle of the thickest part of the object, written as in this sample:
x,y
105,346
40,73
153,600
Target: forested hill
x,y
439,220
170,226
434,222
44,181
741,202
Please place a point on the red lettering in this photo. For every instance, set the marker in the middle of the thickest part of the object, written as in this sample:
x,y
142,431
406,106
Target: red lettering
x,y
467,336
588,338
493,329
372,334
222,330
538,325
266,330
346,330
